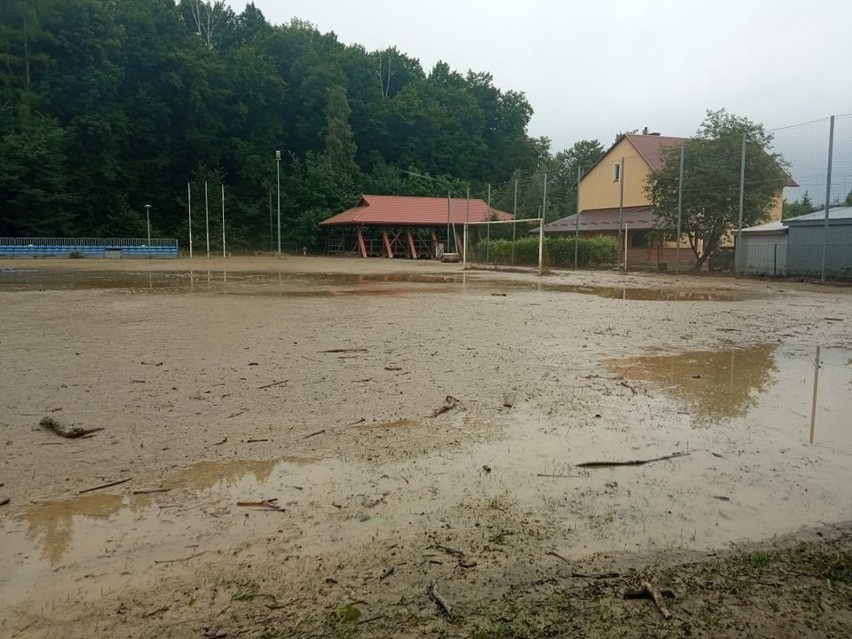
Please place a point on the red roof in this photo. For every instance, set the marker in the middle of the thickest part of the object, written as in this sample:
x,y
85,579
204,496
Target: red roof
x,y
651,147
400,210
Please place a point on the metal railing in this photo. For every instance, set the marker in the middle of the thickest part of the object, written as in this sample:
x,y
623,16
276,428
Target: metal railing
x,y
87,241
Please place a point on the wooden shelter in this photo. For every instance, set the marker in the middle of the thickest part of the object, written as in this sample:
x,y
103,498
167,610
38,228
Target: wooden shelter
x,y
402,226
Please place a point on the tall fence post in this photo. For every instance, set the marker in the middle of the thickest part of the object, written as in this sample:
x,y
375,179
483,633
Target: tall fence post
x,y
737,267
827,196
577,220
679,208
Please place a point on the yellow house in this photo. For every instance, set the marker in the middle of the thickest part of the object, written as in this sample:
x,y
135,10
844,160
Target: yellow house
x,y
612,200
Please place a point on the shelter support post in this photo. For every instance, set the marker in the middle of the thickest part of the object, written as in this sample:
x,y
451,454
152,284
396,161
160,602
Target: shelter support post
x,y
361,246
386,242
411,246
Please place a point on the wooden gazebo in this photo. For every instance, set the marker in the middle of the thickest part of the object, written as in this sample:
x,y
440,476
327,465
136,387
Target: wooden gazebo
x,y
402,226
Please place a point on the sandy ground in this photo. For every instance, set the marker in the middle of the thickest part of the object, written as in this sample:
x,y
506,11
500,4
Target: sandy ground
x,y
319,383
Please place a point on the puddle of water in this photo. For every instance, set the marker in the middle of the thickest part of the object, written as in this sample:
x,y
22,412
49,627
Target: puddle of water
x,y
530,473
50,526
715,384
765,385
651,294
324,285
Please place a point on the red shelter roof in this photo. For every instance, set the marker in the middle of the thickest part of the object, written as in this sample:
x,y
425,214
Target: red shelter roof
x,y
400,210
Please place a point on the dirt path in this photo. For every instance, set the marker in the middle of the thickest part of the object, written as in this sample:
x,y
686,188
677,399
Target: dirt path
x,y
314,382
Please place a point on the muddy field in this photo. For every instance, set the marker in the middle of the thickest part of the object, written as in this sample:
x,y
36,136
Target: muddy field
x,y
305,445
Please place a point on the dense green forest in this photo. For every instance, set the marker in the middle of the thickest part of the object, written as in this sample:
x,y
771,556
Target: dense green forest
x,y
108,105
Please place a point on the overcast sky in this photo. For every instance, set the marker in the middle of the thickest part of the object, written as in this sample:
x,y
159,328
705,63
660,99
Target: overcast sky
x,y
593,69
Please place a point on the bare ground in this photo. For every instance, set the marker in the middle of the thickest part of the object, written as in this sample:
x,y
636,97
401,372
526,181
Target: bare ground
x,y
314,382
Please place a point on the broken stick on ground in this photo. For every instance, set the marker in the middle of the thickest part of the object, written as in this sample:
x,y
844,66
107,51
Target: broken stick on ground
x,y
107,485
70,432
634,462
657,598
439,599
345,350
273,384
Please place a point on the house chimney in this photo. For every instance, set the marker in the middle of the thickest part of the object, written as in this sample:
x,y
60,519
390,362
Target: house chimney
x,y
645,131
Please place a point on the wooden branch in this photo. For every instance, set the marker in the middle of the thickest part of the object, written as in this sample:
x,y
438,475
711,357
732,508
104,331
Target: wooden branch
x,y
273,384
344,350
149,491
319,432
634,462
439,599
69,432
107,485
173,561
644,594
265,504
659,602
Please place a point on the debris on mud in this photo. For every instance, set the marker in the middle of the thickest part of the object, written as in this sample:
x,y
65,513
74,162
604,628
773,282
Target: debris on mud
x,y
264,504
633,462
449,404
106,485
63,430
438,598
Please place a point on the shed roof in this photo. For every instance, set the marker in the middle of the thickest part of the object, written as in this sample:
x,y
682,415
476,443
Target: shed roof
x,y
777,226
636,217
401,210
834,214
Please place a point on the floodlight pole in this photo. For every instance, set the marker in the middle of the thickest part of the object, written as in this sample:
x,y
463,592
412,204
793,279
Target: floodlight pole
x,y
224,254
148,219
278,182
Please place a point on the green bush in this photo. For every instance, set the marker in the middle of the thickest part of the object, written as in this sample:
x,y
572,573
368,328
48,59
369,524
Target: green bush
x,y
558,251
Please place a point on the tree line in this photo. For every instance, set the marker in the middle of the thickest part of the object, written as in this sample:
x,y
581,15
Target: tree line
x,y
109,105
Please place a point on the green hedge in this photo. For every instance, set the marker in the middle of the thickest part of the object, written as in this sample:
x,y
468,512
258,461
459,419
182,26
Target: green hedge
x,y
558,251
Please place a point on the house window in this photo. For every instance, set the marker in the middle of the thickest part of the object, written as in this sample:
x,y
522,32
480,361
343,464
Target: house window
x,y
616,171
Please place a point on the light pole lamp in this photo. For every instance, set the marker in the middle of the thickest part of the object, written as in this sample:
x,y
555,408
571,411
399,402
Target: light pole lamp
x,y
278,182
148,219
